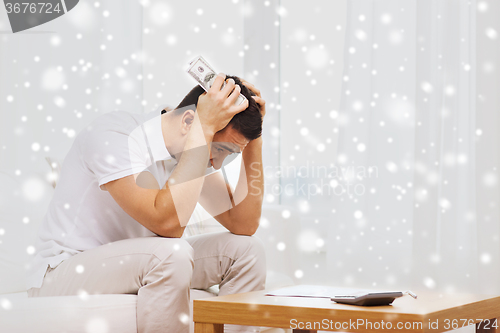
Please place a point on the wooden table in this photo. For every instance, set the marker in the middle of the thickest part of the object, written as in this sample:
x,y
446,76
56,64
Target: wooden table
x,y
429,313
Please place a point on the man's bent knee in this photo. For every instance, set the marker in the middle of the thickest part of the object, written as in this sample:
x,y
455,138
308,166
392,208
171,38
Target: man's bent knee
x,y
247,244
172,258
176,253
172,248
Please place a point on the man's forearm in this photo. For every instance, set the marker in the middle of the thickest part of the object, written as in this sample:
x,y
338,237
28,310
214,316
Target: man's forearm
x,y
249,192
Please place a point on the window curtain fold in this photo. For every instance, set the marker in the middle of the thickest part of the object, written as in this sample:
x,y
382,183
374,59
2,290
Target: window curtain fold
x,y
409,114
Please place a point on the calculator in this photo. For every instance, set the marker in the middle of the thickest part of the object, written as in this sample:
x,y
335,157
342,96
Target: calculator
x,y
368,298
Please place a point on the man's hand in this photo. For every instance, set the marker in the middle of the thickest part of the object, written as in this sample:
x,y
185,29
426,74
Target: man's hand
x,y
216,107
257,98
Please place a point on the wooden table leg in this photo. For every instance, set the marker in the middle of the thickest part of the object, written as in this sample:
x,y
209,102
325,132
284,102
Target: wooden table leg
x,y
488,326
208,328
304,331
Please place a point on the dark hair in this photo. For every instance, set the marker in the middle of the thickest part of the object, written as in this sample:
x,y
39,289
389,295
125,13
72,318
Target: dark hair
x,y
248,122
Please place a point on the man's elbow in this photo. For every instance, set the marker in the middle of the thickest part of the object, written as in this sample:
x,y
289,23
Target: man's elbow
x,y
249,229
170,228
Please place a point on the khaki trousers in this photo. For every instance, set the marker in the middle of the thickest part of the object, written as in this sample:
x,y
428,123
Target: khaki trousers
x,y
161,272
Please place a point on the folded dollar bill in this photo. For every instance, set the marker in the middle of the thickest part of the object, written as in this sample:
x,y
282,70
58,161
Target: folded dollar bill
x,y
204,74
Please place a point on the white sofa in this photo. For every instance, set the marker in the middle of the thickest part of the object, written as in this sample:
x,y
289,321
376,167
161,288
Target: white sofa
x,y
109,313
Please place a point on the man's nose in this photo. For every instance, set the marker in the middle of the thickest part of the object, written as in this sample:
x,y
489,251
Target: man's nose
x,y
218,163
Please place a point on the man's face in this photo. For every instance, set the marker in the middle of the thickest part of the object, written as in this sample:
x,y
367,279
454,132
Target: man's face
x,y
226,142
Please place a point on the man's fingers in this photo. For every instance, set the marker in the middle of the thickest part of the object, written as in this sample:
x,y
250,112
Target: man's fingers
x,y
238,108
259,100
234,95
219,80
252,88
229,87
261,103
245,82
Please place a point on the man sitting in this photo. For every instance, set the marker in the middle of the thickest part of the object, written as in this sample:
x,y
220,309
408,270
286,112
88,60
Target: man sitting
x,y
127,190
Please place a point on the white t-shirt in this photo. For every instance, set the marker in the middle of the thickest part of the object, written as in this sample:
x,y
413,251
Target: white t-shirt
x,y
82,215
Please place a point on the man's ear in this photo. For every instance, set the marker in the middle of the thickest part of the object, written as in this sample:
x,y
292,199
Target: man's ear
x,y
186,121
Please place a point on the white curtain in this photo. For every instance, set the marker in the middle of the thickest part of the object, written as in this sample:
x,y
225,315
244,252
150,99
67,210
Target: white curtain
x,y
420,147
56,78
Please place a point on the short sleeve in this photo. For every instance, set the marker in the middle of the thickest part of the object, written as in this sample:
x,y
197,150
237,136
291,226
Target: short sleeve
x,y
112,155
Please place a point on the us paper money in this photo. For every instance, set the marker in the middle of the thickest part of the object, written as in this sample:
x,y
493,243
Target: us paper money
x,y
204,74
